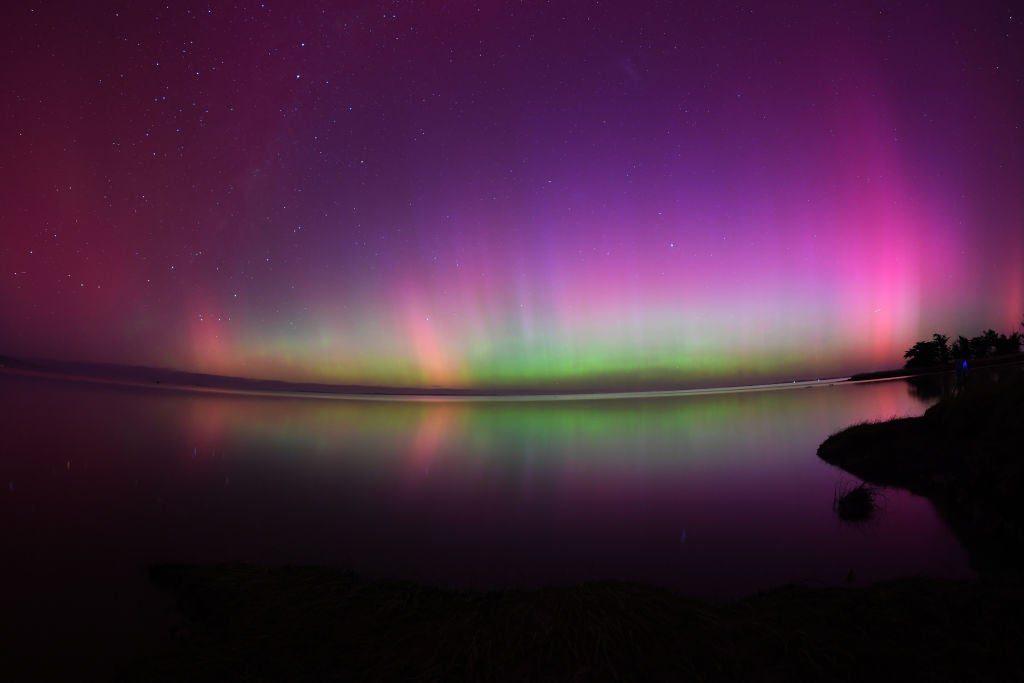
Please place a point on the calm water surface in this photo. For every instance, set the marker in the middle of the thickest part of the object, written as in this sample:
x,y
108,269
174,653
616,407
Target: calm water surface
x,y
718,495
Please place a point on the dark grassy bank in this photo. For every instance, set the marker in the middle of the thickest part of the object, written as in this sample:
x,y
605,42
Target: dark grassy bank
x,y
248,623
964,454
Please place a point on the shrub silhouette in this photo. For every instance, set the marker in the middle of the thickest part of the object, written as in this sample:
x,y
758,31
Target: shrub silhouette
x,y
937,351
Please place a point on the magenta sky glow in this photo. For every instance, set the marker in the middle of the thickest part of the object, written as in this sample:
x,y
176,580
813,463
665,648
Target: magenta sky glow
x,y
509,194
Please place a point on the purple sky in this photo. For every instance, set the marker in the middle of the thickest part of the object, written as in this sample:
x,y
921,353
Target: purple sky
x,y
509,194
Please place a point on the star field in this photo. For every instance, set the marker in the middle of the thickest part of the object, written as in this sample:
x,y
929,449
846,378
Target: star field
x,y
508,194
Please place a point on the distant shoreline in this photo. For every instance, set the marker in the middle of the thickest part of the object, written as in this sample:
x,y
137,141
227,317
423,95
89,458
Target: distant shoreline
x,y
341,392
174,380
897,373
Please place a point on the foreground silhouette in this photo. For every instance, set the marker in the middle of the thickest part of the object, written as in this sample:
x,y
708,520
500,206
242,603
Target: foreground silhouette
x,y
964,454
938,352
251,623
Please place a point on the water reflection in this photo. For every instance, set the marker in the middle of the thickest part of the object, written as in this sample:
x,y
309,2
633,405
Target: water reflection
x,y
712,495
932,387
652,429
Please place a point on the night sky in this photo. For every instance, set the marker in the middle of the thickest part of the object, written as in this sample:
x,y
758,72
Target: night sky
x,y
494,194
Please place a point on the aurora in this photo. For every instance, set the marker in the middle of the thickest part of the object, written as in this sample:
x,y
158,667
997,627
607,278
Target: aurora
x,y
509,196
495,339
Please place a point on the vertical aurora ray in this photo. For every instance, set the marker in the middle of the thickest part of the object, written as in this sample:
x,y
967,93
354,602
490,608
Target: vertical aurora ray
x,y
435,199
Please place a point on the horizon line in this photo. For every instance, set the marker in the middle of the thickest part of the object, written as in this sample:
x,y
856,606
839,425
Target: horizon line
x,y
185,380
24,367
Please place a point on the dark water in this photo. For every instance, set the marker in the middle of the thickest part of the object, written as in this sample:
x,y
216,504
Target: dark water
x,y
718,495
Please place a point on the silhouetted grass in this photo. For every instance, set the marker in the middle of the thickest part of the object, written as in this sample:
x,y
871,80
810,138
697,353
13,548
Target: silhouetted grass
x,y
856,504
304,623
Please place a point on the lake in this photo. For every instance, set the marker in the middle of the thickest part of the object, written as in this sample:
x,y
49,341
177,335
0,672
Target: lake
x,y
715,495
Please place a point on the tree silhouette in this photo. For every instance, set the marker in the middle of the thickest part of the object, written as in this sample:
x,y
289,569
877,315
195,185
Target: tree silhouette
x,y
941,343
985,344
938,351
962,348
1008,344
923,354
